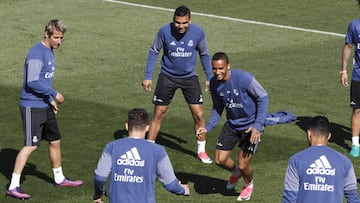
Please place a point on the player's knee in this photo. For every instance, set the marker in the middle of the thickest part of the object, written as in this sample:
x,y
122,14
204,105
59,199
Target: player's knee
x,y
220,162
356,112
243,166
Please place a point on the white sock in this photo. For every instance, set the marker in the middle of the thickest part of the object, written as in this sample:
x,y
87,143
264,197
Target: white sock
x,y
355,140
201,146
15,181
58,175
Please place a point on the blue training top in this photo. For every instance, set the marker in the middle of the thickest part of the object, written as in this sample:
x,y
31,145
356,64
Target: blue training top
x,y
320,174
179,52
245,100
133,165
352,37
39,70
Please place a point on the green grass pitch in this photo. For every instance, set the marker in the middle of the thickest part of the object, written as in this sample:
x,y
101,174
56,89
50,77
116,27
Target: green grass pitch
x,y
101,63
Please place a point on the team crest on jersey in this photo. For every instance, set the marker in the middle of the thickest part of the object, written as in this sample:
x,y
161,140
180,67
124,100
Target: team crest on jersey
x,y
191,43
236,92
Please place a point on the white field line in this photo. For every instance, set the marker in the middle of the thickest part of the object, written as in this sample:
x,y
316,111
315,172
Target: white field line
x,y
232,19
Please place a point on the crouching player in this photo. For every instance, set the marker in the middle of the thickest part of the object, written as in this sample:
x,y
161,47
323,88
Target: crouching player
x,y
133,164
246,104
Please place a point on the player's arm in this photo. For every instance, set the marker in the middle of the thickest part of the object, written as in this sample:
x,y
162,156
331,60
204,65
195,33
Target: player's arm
x,y
101,173
262,100
33,79
217,109
168,179
151,61
205,58
350,187
344,63
291,184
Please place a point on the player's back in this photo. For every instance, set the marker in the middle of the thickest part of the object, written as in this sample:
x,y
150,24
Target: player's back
x,y
134,166
322,171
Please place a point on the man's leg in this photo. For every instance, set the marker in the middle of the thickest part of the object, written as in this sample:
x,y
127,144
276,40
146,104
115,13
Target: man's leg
x,y
247,172
55,159
20,162
222,159
155,123
199,121
21,159
355,130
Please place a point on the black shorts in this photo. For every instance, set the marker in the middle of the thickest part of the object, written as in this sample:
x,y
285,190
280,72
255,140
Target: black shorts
x,y
355,94
39,124
229,137
166,87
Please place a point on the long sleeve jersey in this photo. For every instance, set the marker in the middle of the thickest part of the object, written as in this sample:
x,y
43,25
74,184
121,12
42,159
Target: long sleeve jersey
x,y
133,165
244,99
39,70
353,37
320,174
179,52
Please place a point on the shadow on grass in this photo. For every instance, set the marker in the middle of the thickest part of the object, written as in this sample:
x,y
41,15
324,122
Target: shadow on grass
x,y
339,133
206,185
163,139
7,160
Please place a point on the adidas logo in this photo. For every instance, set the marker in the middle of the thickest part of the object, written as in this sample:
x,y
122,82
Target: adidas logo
x,y
201,99
321,166
131,158
173,43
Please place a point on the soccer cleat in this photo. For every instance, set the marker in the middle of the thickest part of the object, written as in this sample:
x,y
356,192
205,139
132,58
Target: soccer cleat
x,y
232,182
69,183
246,192
204,158
354,151
17,193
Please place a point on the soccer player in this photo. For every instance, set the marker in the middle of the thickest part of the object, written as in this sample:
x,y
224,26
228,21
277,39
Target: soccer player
x,y
133,164
246,104
319,174
352,38
181,41
38,107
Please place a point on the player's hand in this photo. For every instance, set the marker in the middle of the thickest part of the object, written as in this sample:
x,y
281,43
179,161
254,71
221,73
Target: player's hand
x,y
98,200
207,86
59,98
344,79
200,132
146,84
255,135
186,188
54,107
